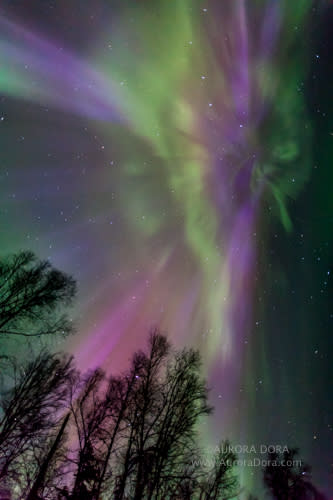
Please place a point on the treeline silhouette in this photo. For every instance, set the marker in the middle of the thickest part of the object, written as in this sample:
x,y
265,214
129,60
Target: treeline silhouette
x,y
73,436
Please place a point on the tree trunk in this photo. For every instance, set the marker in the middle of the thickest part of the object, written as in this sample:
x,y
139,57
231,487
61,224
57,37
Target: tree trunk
x,y
39,482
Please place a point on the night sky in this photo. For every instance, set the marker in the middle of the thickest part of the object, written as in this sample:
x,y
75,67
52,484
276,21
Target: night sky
x,y
176,159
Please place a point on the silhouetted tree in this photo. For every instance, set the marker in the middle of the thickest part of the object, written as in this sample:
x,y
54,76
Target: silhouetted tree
x,y
142,407
161,432
89,410
220,481
288,478
39,482
119,398
183,401
30,411
32,294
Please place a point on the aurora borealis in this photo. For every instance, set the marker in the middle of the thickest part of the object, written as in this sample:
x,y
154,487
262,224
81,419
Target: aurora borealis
x,y
175,158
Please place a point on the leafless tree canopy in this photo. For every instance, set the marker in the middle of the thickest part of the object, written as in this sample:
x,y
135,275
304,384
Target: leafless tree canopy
x,y
32,296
